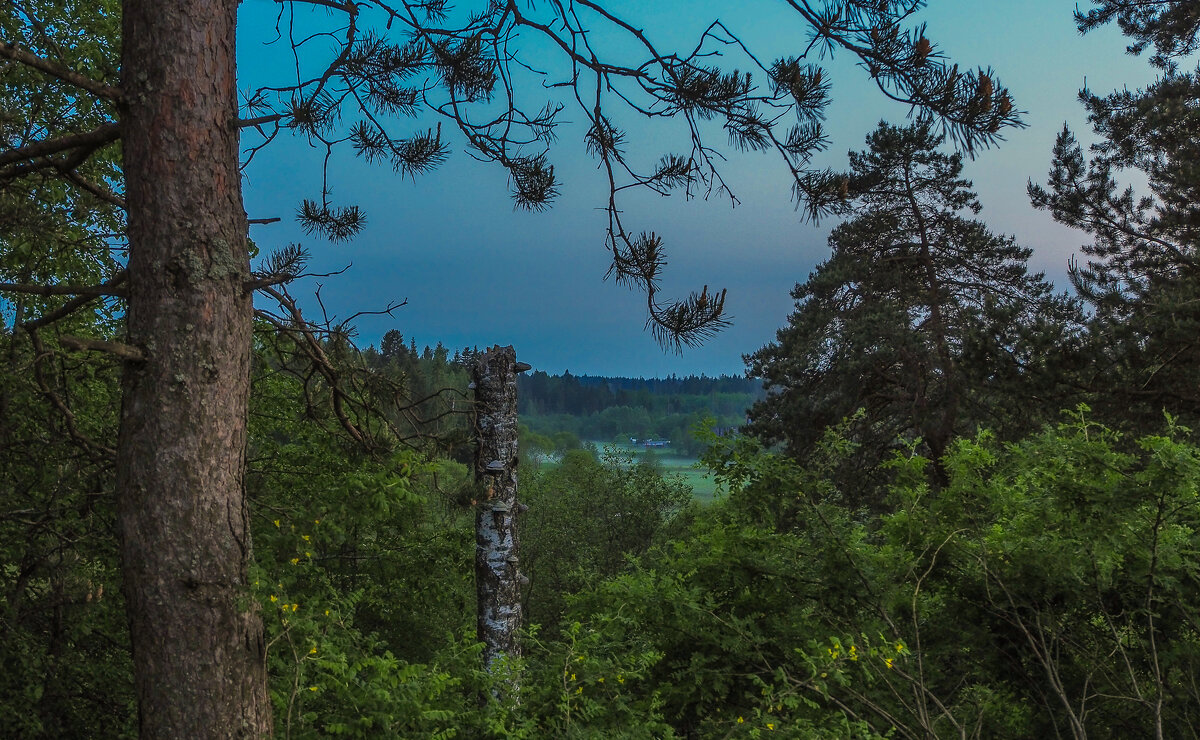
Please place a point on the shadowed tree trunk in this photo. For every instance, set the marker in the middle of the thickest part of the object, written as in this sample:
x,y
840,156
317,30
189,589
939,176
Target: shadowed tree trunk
x,y
185,545
497,580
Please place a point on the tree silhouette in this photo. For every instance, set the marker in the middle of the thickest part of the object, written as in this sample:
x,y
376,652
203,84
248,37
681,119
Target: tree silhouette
x,y
921,317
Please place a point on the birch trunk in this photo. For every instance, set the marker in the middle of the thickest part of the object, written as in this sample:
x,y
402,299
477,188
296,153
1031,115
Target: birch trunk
x,y
497,580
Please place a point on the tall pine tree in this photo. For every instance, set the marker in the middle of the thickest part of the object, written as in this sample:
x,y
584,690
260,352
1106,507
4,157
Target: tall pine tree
x,y
1141,276
922,317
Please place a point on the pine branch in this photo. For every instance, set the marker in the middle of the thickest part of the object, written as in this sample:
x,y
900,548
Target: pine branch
x,y
260,120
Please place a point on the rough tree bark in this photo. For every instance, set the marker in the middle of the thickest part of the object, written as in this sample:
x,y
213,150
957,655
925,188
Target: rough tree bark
x,y
197,641
497,579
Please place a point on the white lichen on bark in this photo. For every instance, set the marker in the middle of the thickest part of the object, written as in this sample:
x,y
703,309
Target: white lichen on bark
x,y
497,579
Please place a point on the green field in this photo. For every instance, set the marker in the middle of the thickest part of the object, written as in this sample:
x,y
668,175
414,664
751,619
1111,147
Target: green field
x,y
704,488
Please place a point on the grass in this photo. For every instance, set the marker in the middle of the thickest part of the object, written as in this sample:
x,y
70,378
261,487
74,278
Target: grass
x,y
704,488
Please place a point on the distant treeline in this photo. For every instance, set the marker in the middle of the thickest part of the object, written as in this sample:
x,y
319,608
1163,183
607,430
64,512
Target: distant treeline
x,y
540,394
606,409
560,412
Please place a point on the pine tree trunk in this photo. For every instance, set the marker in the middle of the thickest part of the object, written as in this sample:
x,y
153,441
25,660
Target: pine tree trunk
x,y
197,641
497,580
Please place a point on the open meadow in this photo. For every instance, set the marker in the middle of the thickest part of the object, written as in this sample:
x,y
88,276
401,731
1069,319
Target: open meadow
x,y
704,488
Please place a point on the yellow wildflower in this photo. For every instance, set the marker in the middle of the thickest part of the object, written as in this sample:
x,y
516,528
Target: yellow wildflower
x,y
572,676
295,607
740,720
295,561
276,522
313,651
306,538
770,725
312,688
579,690
888,661
274,597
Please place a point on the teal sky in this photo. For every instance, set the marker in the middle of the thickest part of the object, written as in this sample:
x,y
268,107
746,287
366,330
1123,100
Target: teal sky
x,y
476,272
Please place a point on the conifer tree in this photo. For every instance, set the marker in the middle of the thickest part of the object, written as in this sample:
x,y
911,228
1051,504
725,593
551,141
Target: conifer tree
x,y
1141,276
1172,27
921,317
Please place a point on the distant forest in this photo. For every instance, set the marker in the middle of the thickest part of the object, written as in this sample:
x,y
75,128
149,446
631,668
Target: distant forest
x,y
600,409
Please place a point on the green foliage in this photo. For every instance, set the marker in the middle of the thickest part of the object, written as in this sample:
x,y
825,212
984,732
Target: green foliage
x,y
1077,552
1043,587
1047,587
50,231
584,686
363,574
587,517
64,660
1047,590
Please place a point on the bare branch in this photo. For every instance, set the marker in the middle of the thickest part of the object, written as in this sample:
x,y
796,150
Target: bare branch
x,y
89,140
266,282
39,356
347,7
47,290
29,59
99,191
71,306
123,351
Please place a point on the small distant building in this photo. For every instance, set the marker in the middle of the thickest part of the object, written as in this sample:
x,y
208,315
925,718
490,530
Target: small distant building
x,y
648,443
